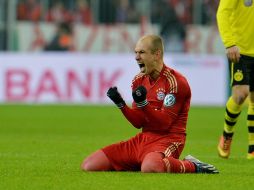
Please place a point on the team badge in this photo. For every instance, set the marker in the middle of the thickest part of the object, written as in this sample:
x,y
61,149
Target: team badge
x,y
169,100
248,3
160,94
238,76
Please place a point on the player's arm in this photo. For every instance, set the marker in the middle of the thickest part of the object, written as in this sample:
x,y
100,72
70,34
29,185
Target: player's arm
x,y
224,20
135,116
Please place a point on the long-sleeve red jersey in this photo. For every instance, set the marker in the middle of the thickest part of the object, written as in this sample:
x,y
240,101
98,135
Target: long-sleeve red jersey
x,y
169,102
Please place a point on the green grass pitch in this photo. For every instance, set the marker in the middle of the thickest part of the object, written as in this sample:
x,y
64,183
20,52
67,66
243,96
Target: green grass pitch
x,y
41,148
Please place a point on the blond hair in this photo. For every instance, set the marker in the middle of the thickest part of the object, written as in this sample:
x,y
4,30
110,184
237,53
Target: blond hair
x,y
156,43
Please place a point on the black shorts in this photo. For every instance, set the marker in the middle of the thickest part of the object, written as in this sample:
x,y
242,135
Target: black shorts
x,y
242,73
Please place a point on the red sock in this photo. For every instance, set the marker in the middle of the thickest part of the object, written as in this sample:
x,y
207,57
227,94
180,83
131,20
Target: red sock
x,y
178,166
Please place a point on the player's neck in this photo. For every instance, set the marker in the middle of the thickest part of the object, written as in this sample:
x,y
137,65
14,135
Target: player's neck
x,y
156,73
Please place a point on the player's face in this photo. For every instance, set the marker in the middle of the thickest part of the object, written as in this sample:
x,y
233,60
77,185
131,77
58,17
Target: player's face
x,y
146,60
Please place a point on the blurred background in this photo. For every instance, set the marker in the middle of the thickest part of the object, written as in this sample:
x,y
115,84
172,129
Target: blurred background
x,y
176,20
71,51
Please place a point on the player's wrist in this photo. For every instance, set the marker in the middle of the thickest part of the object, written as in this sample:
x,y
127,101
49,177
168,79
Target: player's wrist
x,y
120,105
142,103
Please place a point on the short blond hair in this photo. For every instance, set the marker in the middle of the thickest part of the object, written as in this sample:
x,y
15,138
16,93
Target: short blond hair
x,y
156,43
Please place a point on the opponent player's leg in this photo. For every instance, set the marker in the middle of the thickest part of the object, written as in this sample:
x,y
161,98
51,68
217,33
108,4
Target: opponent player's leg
x,y
233,110
240,91
250,124
97,161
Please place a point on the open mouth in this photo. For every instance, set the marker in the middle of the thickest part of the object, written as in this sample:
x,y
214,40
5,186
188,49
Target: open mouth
x,y
141,65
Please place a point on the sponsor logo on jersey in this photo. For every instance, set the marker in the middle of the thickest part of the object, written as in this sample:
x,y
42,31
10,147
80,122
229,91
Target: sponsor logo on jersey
x,y
169,100
248,3
238,76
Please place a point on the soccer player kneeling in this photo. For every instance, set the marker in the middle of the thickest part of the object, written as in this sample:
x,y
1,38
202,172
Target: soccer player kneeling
x,y
160,108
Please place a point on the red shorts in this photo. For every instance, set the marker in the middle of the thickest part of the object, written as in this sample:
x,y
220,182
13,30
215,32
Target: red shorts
x,y
128,155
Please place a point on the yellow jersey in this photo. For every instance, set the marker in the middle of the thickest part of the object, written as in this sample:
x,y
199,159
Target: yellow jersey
x,y
235,20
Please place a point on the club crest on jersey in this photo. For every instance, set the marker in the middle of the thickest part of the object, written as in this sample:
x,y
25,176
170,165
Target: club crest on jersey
x,y
169,100
248,3
160,93
238,76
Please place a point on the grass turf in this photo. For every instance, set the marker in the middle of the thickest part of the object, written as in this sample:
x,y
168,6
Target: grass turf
x,y
41,147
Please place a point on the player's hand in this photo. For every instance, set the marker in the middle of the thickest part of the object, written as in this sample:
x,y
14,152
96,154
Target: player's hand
x,y
233,54
116,97
139,96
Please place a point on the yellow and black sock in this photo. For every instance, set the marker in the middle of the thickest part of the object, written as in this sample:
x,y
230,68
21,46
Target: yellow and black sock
x,y
250,124
232,113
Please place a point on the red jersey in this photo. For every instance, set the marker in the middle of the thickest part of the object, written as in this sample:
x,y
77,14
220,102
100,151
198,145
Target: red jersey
x,y
169,102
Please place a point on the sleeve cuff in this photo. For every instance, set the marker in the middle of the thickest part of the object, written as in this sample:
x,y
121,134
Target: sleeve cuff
x,y
142,104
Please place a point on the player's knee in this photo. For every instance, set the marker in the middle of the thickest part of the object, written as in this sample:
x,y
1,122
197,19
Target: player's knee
x,y
96,162
90,166
240,99
152,167
86,166
240,94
